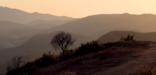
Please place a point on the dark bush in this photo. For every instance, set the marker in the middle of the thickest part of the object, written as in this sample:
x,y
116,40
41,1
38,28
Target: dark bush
x,y
30,67
88,48
46,60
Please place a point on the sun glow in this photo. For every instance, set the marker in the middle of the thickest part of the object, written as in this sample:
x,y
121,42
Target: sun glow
x,y
81,8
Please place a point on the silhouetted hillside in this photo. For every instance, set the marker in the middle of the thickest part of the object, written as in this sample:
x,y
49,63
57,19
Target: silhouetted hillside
x,y
95,26
33,35
117,35
41,44
88,59
92,26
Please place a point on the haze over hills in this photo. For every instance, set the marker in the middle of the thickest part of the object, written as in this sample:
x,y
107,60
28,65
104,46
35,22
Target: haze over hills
x,y
117,35
19,16
29,34
34,48
86,29
17,26
96,25
9,32
40,44
92,27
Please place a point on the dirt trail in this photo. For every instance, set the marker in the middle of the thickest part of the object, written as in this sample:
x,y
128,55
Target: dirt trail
x,y
146,58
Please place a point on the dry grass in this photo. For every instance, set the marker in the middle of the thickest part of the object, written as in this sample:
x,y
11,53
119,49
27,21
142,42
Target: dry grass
x,y
146,71
67,72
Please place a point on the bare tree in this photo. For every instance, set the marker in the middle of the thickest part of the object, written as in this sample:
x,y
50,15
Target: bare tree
x,y
62,41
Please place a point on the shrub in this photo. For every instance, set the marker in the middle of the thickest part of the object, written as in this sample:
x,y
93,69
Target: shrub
x,y
46,60
30,67
87,48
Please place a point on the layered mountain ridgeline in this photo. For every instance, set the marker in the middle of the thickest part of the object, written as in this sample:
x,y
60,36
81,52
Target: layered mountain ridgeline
x,y
40,44
117,35
35,47
89,59
92,26
18,26
29,33
19,16
96,25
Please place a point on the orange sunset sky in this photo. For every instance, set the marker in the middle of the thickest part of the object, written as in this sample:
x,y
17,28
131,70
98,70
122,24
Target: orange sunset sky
x,y
81,8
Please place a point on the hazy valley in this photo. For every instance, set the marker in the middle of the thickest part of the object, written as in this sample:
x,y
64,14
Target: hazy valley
x,y
29,35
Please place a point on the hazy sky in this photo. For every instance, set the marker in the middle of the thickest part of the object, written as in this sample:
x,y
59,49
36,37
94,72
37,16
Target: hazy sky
x,y
81,8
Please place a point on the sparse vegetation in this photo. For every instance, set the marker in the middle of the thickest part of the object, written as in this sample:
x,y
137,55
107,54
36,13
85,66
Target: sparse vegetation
x,y
63,41
146,71
128,38
30,67
88,48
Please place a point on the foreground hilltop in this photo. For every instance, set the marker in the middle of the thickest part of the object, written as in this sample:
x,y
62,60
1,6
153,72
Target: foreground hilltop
x,y
117,35
94,59
111,61
40,44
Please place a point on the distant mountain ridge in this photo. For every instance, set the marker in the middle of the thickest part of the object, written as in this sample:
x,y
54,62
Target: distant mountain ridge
x,y
96,25
38,29
19,16
17,26
117,35
92,26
